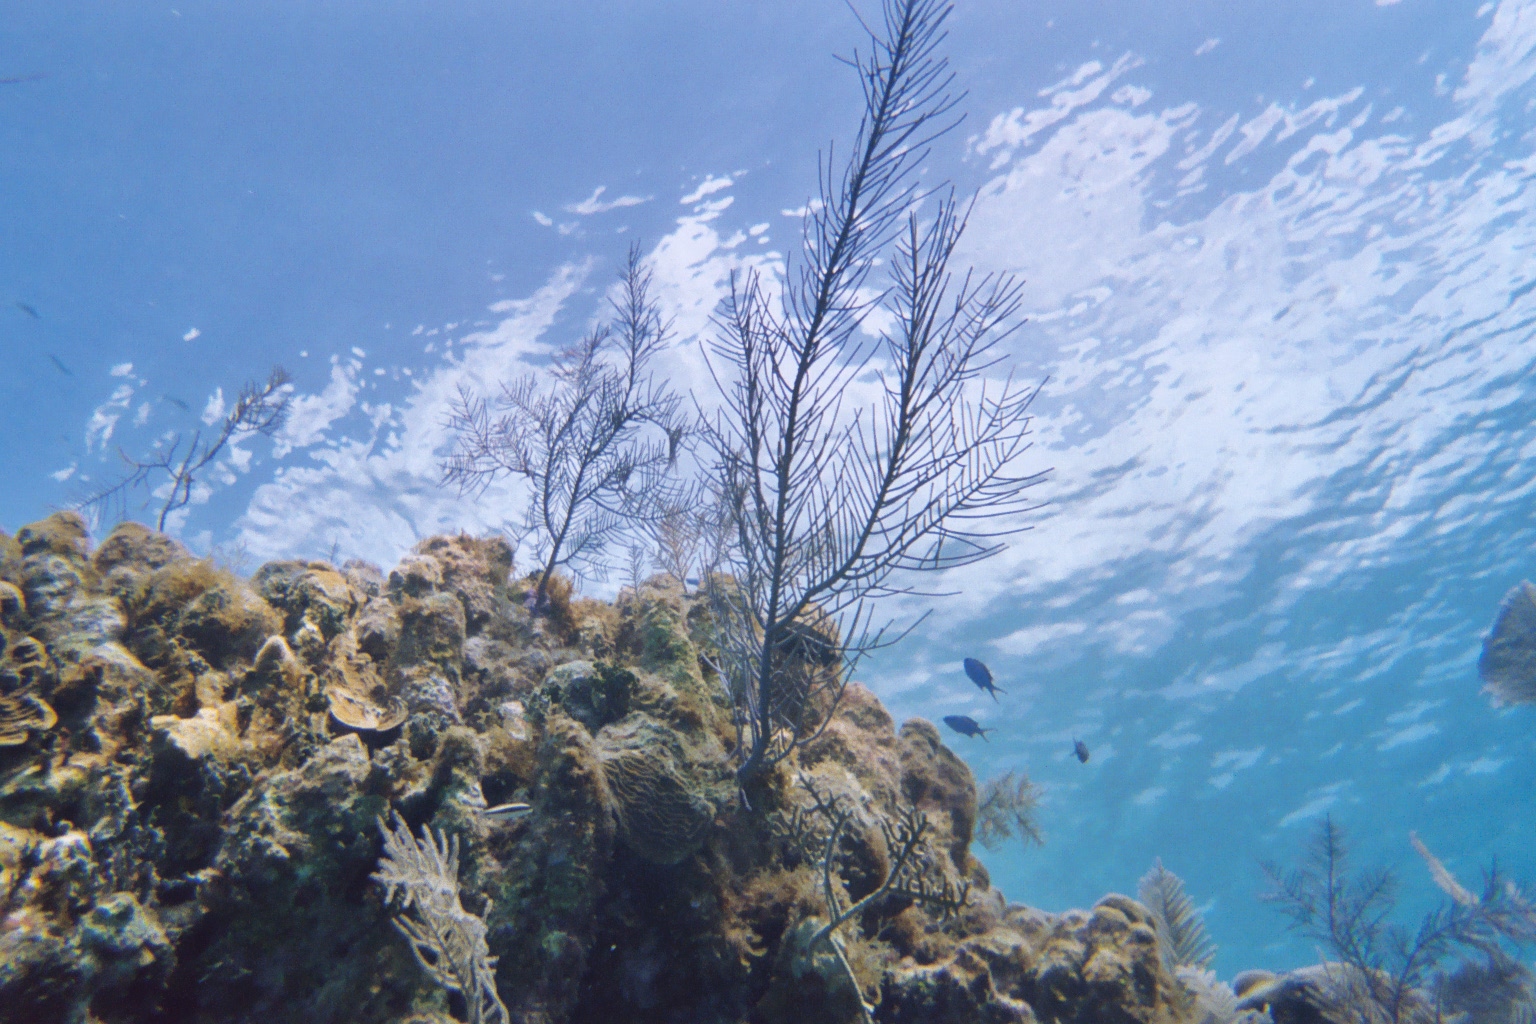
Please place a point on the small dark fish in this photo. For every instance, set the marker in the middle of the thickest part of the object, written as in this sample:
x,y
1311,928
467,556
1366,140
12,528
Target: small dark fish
x,y
66,371
966,726
18,79
1284,310
178,403
1081,750
506,812
982,677
30,311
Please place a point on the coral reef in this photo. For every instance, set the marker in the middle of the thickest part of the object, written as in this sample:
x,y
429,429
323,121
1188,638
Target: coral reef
x,y
193,767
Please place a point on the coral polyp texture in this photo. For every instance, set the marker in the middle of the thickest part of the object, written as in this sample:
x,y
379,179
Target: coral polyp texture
x,y
193,767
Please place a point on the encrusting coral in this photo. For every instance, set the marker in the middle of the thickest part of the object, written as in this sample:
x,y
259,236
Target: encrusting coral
x,y
193,766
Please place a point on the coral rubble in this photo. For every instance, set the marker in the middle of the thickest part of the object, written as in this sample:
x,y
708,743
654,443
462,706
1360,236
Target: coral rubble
x,y
193,767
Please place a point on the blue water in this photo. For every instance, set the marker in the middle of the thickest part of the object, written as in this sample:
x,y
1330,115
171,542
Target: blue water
x,y
1279,268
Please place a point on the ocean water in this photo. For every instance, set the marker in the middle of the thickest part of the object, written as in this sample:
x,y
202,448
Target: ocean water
x,y
1280,263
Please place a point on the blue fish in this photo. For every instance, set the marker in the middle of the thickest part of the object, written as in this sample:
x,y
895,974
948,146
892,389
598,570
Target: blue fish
x,y
966,726
982,677
1081,750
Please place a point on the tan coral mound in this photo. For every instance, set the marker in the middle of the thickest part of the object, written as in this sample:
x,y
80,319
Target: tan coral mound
x,y
192,766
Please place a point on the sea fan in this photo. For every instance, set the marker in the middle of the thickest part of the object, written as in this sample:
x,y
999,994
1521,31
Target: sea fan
x,y
1185,943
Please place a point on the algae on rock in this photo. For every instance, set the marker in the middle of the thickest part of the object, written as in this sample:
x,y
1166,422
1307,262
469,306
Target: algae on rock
x,y
194,838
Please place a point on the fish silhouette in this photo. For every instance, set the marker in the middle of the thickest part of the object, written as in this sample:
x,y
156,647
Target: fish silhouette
x,y
31,311
982,677
66,371
1081,750
965,726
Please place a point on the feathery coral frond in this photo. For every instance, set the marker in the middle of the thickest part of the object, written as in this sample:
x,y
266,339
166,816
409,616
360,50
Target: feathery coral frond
x,y
1005,808
1185,943
447,940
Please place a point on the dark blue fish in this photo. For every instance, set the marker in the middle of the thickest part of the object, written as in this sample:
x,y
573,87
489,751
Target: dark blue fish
x,y
66,371
1081,750
982,677
178,403
966,726
29,310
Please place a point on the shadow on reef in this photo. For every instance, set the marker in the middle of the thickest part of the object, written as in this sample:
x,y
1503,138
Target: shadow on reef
x,y
192,767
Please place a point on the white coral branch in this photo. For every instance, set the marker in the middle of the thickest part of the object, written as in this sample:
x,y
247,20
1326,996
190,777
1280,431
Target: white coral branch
x,y
447,940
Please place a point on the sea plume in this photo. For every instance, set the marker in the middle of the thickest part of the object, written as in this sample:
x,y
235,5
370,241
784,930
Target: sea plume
x,y
448,941
1185,943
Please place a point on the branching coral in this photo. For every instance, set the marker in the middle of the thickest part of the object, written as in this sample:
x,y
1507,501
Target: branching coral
x,y
913,872
1382,970
816,833
447,940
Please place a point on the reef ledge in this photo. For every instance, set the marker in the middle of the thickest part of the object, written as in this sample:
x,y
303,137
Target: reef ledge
x,y
193,765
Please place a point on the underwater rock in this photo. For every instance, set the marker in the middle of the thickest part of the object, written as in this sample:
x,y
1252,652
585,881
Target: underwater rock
x,y
12,605
416,576
493,665
63,533
311,593
1097,967
287,893
134,549
474,570
193,605
187,832
813,984
431,630
959,989
68,950
936,780
365,578
130,955
590,695
49,582
211,733
1328,993
551,880
376,630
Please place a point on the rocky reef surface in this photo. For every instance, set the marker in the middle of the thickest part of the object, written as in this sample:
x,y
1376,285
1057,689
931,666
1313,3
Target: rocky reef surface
x,y
193,765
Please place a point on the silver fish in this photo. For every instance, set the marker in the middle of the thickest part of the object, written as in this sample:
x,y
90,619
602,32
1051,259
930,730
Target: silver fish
x,y
506,812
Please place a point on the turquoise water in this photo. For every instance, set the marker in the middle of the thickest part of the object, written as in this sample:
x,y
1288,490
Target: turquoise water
x,y
1279,269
